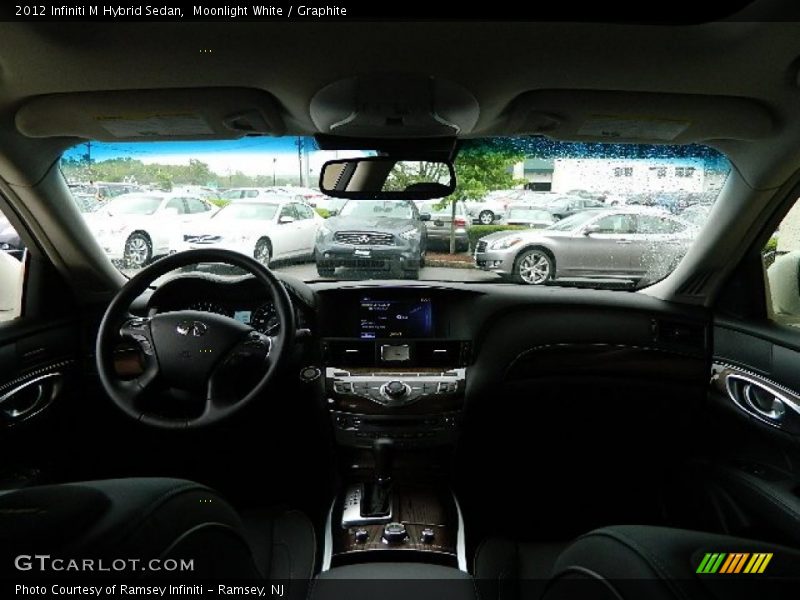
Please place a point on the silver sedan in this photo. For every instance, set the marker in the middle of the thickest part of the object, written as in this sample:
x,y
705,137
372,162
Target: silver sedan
x,y
623,243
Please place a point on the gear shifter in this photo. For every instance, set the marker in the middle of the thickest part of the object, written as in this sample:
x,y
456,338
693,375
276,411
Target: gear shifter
x,y
383,453
377,494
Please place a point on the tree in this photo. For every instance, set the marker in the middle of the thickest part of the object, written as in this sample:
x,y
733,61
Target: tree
x,y
482,166
407,172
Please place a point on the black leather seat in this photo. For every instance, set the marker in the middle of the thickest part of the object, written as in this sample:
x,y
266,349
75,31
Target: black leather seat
x,y
148,519
633,563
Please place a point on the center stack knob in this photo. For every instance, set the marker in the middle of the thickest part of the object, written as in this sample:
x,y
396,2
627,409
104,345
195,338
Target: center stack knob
x,y
395,390
394,533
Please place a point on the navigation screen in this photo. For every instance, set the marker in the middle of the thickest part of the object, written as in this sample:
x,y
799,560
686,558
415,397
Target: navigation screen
x,y
380,318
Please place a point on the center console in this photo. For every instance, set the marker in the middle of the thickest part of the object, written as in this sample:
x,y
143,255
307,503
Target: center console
x,y
396,368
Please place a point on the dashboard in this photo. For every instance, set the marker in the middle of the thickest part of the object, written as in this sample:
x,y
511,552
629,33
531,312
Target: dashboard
x,y
406,362
497,332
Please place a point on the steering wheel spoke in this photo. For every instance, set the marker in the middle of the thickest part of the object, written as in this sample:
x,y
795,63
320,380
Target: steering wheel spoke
x,y
138,329
251,355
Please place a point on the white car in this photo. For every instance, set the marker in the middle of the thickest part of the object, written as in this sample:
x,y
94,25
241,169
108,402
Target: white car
x,y
134,228
249,193
493,206
274,229
309,195
486,211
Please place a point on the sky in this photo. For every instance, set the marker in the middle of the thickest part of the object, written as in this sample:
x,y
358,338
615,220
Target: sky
x,y
251,156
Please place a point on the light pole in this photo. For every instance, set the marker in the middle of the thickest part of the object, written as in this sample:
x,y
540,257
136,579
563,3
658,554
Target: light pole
x,y
274,160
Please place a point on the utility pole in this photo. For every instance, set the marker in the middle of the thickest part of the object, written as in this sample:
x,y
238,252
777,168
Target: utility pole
x,y
300,158
274,160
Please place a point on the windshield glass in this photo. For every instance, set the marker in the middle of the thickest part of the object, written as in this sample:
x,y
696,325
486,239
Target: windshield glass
x,y
133,205
521,201
259,212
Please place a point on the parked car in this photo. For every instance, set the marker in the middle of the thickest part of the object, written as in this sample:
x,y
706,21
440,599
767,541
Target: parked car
x,y
250,193
332,205
441,221
566,206
200,191
373,234
309,195
87,203
276,229
135,228
10,242
611,243
697,214
107,190
585,194
492,207
529,215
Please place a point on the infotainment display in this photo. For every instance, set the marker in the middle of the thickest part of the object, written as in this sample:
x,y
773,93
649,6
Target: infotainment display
x,y
381,318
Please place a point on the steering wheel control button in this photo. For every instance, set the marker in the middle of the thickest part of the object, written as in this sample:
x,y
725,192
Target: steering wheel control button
x,y
394,533
427,536
361,536
309,374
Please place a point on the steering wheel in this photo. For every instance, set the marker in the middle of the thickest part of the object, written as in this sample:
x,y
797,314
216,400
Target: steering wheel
x,y
190,353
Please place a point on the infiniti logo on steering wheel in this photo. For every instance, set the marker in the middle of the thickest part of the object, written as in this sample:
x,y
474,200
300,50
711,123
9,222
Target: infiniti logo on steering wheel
x,y
193,328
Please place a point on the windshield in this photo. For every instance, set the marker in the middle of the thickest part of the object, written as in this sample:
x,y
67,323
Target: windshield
x,y
528,185
133,205
399,209
248,211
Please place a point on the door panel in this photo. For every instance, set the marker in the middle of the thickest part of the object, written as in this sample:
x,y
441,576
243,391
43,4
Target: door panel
x,y
752,461
38,379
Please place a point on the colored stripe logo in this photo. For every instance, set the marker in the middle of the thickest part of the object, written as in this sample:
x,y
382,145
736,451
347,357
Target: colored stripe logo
x,y
734,562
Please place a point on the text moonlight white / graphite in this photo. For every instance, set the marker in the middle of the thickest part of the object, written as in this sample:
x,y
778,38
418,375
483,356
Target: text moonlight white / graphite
x,y
268,11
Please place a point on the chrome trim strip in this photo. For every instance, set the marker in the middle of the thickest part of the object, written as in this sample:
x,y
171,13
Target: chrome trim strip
x,y
43,400
461,545
327,551
42,370
27,384
788,397
351,512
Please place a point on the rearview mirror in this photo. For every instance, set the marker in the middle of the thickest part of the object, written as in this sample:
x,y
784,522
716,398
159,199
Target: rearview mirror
x,y
384,178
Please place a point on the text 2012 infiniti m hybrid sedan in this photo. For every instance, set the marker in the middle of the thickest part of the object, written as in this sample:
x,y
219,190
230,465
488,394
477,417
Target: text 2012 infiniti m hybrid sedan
x,y
207,418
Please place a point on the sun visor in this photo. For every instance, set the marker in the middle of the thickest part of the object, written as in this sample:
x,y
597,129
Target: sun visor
x,y
600,116
142,115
